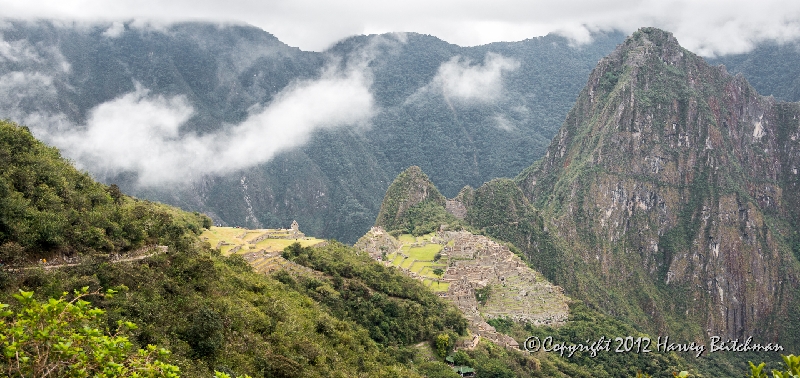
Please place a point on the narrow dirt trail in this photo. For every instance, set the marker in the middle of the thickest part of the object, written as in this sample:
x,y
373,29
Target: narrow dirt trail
x,y
156,250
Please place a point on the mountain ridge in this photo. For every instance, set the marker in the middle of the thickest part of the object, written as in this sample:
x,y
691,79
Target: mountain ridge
x,y
223,72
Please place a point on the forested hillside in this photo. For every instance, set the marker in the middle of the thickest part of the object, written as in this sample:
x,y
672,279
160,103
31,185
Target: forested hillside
x,y
212,312
48,208
770,68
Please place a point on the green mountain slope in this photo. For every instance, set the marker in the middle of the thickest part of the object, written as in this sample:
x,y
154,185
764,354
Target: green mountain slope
x,y
212,312
50,209
412,204
770,68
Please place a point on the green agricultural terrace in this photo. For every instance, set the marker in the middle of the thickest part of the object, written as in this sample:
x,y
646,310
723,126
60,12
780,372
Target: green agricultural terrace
x,y
417,255
231,240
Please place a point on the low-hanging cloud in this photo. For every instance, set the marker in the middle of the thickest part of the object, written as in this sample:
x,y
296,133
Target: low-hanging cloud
x,y
115,30
141,132
460,80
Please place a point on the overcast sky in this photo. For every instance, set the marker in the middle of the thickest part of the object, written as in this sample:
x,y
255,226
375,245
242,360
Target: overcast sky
x,y
705,27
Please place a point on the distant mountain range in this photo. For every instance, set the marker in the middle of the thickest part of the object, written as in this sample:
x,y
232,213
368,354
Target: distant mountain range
x,y
463,114
207,92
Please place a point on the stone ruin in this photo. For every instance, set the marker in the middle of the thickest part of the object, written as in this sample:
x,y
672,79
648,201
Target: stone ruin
x,y
456,209
473,262
283,233
377,242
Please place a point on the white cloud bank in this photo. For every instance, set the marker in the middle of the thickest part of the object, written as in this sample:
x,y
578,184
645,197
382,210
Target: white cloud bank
x,y
461,81
703,26
458,79
141,132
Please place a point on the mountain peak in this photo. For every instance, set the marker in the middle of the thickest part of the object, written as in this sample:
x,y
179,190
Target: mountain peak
x,y
649,42
649,49
670,158
412,192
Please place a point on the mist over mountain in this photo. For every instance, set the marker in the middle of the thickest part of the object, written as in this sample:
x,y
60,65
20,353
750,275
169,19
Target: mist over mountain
x,y
771,68
227,120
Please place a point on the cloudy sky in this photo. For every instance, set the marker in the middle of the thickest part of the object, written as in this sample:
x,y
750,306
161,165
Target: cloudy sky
x,y
706,27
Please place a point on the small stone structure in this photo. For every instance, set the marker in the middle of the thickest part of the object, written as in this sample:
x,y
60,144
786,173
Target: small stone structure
x,y
283,233
377,242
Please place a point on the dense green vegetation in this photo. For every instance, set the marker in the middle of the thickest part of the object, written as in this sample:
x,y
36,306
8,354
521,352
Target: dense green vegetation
x,y
500,210
770,68
395,309
49,208
64,338
214,313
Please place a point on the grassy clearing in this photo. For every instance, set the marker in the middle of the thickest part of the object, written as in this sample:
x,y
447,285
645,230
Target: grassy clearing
x,y
419,258
407,263
214,235
272,245
407,239
439,286
397,260
416,254
425,252
427,270
417,266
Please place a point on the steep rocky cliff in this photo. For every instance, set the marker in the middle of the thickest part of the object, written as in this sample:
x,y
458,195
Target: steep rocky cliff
x,y
672,187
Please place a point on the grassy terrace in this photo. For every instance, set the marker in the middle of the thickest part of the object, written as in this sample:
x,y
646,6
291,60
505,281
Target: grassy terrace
x,y
417,255
232,237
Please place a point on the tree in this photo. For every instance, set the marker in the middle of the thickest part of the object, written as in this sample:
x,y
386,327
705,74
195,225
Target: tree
x,y
442,344
63,338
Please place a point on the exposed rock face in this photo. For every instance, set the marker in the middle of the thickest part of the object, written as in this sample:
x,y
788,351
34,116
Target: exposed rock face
x,y
673,186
